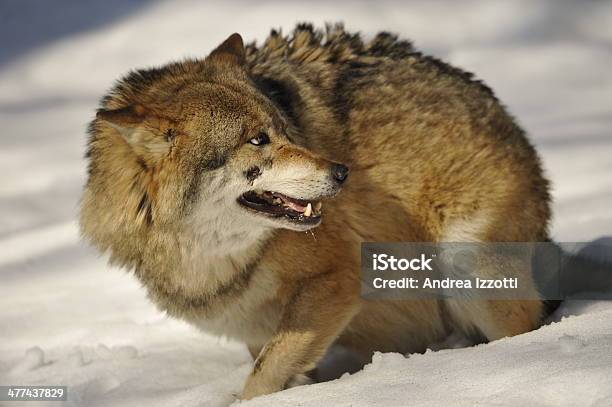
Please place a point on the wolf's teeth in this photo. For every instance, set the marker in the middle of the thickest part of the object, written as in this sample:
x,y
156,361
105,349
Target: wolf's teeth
x,y
318,206
277,201
308,210
259,191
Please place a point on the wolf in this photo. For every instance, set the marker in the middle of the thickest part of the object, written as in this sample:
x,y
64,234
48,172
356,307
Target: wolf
x,y
239,187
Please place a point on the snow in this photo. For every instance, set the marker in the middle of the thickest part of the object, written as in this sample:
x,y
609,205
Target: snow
x,y
69,319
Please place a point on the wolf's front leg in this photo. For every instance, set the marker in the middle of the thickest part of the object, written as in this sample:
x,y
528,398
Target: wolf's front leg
x,y
316,312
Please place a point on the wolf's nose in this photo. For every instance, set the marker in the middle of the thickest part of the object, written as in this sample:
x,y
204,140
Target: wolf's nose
x,y
339,172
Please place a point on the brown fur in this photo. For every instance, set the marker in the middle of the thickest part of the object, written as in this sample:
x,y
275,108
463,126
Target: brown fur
x,y
433,157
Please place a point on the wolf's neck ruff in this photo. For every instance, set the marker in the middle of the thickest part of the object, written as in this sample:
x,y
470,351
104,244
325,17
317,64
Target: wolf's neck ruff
x,y
203,291
206,276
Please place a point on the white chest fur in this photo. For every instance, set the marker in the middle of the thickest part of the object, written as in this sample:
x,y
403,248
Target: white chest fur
x,y
249,314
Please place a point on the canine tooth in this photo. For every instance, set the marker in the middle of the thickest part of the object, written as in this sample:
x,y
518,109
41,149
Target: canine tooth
x,y
308,210
318,206
258,191
277,200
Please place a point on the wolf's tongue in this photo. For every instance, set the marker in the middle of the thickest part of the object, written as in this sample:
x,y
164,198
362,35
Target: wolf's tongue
x,y
291,204
296,207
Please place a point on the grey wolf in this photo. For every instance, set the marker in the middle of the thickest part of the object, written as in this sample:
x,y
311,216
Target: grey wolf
x,y
238,188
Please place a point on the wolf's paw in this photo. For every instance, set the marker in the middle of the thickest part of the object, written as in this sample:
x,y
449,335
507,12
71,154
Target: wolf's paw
x,y
298,380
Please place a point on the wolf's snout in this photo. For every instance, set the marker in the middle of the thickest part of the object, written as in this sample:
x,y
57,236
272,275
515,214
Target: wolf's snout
x,y
339,172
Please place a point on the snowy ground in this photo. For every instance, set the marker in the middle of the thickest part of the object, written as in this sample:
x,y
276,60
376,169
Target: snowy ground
x,y
67,319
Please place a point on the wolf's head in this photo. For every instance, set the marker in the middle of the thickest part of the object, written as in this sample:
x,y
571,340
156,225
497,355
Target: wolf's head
x,y
198,144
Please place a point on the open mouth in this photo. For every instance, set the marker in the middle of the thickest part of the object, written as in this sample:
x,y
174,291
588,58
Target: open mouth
x,y
277,205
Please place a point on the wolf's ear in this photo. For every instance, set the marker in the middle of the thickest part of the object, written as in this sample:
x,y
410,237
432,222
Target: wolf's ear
x,y
230,50
141,130
125,117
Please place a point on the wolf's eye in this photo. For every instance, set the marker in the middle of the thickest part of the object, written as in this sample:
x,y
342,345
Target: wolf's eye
x,y
260,139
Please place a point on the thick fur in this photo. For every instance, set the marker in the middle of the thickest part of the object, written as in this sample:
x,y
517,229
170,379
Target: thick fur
x,y
433,157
